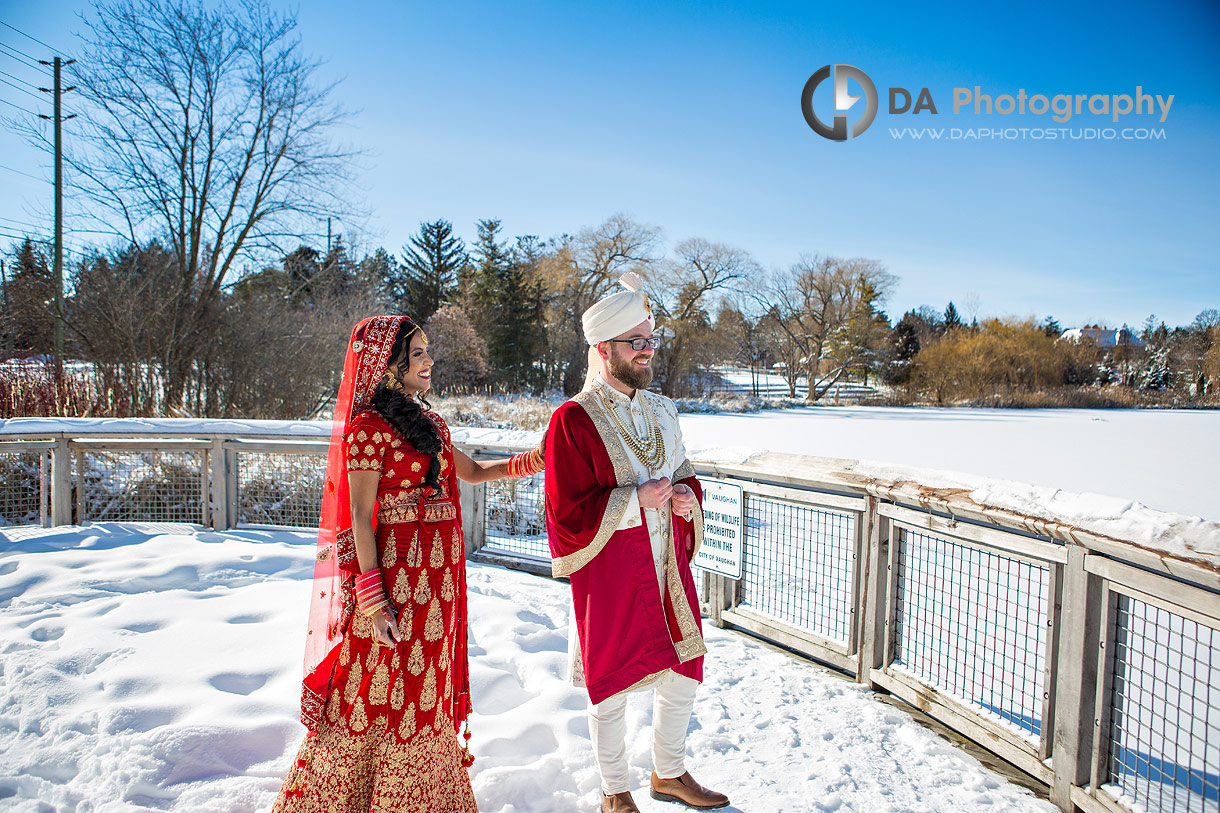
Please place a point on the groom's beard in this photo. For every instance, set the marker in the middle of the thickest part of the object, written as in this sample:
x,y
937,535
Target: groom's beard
x,y
631,374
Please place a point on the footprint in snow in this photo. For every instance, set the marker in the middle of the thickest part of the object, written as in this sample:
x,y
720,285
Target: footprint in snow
x,y
235,683
44,634
149,626
250,618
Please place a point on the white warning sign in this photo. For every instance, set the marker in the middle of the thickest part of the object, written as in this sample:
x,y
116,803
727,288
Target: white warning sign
x,y
721,551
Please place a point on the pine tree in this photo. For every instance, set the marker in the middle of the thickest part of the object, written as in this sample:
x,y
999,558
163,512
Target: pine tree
x,y
506,305
1051,327
30,294
432,264
953,319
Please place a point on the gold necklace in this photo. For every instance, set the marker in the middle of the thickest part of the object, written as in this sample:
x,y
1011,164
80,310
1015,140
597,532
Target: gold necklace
x,y
650,450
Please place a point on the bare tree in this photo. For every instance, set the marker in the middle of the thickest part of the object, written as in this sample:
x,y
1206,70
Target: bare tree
x,y
581,271
809,306
683,290
202,126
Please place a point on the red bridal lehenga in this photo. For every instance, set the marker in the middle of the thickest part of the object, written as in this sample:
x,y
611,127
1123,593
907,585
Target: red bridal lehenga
x,y
383,722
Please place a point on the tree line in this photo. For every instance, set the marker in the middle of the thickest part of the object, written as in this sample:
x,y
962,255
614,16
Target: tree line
x,y
503,315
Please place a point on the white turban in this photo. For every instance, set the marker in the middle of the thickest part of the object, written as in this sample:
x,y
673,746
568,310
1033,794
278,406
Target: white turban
x,y
617,313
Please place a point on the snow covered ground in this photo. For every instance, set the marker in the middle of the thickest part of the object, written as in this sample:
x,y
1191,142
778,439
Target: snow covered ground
x,y
156,668
1165,459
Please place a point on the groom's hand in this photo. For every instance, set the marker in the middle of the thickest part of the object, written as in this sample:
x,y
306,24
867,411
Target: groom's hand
x,y
654,493
683,501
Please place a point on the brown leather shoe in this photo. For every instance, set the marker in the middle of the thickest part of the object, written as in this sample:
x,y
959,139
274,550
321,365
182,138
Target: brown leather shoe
x,y
619,803
685,790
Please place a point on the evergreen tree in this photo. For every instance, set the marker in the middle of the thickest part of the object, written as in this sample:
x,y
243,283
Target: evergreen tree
x,y
432,264
506,304
29,308
953,319
1051,327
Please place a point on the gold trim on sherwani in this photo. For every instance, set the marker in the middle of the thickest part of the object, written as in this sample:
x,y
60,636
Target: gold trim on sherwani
x,y
620,497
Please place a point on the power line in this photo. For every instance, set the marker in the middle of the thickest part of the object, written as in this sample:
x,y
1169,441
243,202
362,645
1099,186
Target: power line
x,y
19,223
19,107
19,172
18,79
35,39
23,57
23,90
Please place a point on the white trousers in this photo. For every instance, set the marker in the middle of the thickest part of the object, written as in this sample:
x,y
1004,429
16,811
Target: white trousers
x,y
673,701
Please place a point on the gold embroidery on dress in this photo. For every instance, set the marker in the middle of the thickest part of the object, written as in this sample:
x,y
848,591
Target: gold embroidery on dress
x,y
369,449
379,686
370,662
433,626
397,694
447,586
398,457
415,662
423,591
345,653
456,546
416,555
406,726
358,720
402,589
362,627
415,467
427,697
389,551
362,436
376,437
439,511
438,552
442,661
684,471
352,687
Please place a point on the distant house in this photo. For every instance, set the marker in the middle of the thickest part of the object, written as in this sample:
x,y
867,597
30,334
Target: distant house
x,y
1104,338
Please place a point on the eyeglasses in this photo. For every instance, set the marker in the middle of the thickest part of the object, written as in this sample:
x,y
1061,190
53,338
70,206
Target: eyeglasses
x,y
639,344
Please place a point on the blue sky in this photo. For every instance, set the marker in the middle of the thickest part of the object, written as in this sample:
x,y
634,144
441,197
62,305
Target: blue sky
x,y
553,116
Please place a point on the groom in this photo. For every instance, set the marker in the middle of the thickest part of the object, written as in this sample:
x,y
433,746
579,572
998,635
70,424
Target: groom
x,y
624,518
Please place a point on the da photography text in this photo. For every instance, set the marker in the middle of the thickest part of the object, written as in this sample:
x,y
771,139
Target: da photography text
x,y
1135,111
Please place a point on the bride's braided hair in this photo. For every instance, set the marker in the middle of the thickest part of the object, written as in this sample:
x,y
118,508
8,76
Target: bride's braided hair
x,y
405,414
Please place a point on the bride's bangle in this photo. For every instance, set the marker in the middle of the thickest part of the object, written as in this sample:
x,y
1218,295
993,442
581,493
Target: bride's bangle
x,y
526,463
370,595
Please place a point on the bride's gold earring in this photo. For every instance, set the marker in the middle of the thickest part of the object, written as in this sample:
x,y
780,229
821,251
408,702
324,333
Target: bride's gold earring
x,y
391,383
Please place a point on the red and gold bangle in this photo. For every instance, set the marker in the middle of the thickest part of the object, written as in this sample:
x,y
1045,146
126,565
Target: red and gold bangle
x,y
526,463
370,595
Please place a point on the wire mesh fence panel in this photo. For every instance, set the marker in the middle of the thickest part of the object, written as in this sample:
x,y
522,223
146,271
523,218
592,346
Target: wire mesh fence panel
x,y
973,624
1164,737
24,487
280,488
798,566
152,486
515,519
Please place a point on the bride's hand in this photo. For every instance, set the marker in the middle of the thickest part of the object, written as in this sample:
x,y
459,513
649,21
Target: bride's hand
x,y
385,628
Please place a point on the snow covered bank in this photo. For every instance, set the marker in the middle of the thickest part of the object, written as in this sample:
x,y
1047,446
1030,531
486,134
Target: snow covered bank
x,y
156,668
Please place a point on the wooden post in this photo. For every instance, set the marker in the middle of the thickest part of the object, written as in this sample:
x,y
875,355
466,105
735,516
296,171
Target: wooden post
x,y
80,487
218,493
473,499
874,592
1076,678
232,515
44,488
61,483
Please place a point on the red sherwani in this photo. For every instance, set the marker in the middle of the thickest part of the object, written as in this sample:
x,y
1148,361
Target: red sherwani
x,y
629,628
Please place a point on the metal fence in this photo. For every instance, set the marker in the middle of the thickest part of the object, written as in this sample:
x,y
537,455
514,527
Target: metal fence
x,y
1091,664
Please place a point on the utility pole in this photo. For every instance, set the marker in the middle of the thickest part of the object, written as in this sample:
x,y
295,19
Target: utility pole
x,y
328,237
58,119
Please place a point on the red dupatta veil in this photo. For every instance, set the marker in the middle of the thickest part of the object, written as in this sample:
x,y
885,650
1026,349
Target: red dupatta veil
x,y
368,355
